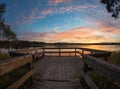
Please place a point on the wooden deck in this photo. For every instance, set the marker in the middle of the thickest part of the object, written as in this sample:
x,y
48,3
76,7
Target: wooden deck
x,y
57,73
61,69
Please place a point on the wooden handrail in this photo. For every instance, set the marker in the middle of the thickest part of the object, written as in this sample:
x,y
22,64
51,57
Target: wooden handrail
x,y
110,71
14,63
19,82
89,82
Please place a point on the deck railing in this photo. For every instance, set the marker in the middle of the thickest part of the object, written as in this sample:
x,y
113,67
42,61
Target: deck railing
x,y
90,58
14,63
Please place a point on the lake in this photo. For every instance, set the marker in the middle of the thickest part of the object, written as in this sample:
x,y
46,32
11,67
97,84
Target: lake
x,y
99,47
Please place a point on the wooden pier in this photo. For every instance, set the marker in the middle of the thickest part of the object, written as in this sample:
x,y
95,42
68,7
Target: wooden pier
x,y
55,72
60,68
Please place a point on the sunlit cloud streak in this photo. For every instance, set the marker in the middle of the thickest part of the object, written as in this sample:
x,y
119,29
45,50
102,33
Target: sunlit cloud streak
x,y
55,2
80,34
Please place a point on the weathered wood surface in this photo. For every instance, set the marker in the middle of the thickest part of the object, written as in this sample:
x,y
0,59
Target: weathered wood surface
x,y
89,82
14,63
19,82
57,72
112,72
56,85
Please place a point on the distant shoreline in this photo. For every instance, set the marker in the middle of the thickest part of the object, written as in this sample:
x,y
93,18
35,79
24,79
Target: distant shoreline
x,y
82,43
24,44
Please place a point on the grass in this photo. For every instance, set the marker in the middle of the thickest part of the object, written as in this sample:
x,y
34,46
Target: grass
x,y
115,58
101,81
4,56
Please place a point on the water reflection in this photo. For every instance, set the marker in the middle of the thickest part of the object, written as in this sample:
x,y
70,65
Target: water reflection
x,y
99,47
103,47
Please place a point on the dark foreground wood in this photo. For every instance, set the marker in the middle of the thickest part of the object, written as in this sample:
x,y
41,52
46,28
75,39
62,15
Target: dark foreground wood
x,y
14,63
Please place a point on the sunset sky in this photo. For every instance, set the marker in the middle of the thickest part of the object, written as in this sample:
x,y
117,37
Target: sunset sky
x,y
78,21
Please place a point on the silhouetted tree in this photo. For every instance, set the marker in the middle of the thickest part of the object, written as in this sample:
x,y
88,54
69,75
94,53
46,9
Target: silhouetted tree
x,y
112,6
8,33
6,28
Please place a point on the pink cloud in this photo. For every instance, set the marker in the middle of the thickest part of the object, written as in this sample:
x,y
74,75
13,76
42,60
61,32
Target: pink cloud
x,y
55,2
108,28
40,14
36,36
48,11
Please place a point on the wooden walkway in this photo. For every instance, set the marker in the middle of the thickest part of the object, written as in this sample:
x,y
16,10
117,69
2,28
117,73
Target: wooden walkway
x,y
57,73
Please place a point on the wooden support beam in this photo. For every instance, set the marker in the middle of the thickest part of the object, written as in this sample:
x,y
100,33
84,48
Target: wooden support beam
x,y
82,51
59,52
75,51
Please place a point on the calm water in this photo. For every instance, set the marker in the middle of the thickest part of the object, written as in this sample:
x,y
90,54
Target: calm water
x,y
100,47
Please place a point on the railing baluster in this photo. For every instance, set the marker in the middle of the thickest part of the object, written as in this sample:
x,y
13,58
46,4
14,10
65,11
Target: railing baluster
x,y
59,52
75,51
82,51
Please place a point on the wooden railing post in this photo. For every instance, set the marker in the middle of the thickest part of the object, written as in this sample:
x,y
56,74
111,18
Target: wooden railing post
x,y
30,67
82,51
59,52
43,52
75,51
91,52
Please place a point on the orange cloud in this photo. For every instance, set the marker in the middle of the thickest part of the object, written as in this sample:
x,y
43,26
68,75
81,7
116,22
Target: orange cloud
x,y
79,34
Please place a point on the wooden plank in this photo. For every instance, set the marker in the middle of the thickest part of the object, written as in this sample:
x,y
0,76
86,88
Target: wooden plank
x,y
59,69
48,72
111,71
19,82
89,82
53,75
52,72
14,63
63,70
